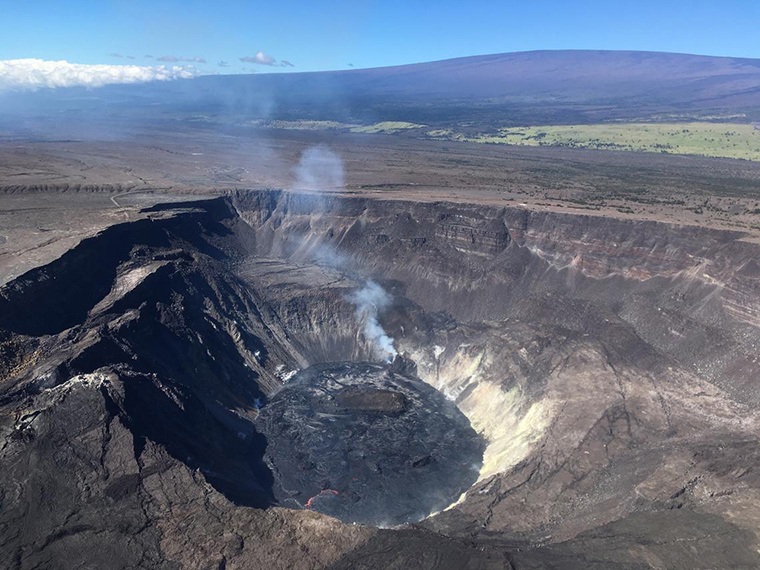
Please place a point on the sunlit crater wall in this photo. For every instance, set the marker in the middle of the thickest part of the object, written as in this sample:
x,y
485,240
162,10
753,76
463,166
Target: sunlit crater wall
x,y
508,311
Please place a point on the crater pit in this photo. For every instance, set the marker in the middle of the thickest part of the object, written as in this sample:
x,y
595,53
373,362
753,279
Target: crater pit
x,y
367,444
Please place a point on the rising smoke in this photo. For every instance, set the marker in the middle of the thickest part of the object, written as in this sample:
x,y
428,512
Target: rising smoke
x,y
319,169
369,301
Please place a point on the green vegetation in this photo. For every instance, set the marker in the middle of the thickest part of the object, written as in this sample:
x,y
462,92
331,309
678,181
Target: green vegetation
x,y
386,127
703,139
710,139
440,134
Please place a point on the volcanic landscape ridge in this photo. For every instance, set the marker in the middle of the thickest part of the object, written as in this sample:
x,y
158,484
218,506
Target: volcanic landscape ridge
x,y
236,335
167,348
522,88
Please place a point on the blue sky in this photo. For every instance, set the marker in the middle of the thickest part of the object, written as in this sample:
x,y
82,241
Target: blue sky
x,y
331,35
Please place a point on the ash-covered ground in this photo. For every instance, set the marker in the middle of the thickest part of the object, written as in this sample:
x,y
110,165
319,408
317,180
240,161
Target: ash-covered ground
x,y
366,443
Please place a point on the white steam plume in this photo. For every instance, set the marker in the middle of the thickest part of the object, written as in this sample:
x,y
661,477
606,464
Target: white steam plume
x,y
322,169
319,169
32,74
369,301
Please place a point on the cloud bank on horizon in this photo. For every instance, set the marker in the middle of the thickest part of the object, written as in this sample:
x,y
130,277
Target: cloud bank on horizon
x,y
33,74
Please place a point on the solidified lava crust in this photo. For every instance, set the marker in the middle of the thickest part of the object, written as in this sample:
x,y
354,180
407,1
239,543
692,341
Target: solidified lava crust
x,y
367,444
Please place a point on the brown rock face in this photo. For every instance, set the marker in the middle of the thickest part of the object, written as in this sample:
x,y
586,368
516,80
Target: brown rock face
x,y
471,234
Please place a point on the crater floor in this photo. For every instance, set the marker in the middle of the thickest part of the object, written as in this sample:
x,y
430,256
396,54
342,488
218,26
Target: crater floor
x,y
366,443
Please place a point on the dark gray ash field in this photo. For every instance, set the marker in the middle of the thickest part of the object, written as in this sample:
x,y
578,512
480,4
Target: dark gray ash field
x,y
236,344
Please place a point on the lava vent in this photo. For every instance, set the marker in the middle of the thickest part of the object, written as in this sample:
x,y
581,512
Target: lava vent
x,y
366,443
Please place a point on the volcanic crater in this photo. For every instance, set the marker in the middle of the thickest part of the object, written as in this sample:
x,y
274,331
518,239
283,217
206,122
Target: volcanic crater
x,y
585,380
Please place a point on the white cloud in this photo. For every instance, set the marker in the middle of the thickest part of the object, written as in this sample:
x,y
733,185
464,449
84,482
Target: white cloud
x,y
31,74
260,58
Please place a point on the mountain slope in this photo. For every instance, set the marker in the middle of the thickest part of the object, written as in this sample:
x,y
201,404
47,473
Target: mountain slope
x,y
542,87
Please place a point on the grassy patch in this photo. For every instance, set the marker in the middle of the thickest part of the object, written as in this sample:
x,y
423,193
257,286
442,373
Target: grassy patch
x,y
709,139
703,139
386,127
440,134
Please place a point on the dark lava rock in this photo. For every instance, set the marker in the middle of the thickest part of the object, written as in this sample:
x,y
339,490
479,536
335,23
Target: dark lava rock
x,y
365,444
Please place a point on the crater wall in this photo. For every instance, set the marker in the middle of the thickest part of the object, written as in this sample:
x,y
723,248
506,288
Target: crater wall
x,y
610,366
582,348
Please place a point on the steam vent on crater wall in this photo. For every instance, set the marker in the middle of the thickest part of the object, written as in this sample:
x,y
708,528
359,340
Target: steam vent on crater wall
x,y
336,330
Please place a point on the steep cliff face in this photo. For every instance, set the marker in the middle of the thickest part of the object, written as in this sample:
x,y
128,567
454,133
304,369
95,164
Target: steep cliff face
x,y
598,357
608,365
690,293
